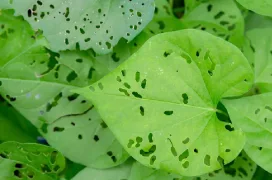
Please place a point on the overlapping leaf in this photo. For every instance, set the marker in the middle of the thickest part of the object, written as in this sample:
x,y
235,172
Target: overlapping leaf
x,y
258,50
29,161
121,172
14,127
37,82
254,115
88,24
221,18
262,7
161,103
242,168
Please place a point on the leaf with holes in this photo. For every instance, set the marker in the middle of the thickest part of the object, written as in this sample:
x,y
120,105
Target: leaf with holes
x,y
14,127
30,161
168,92
87,24
242,168
254,115
121,172
164,19
221,18
37,82
262,7
258,50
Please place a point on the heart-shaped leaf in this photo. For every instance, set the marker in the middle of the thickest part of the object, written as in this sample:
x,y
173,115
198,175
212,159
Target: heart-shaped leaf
x,y
29,161
168,93
254,115
88,24
37,82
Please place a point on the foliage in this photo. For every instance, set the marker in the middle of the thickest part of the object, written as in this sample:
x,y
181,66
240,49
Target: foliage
x,y
136,89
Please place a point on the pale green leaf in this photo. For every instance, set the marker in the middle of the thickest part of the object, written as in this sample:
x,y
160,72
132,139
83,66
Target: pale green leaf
x,y
242,168
254,20
168,93
258,50
89,24
29,161
263,7
219,17
254,116
117,173
37,82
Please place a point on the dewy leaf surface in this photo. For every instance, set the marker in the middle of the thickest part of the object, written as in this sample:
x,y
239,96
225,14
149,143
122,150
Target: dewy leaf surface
x,y
161,103
89,24
258,50
262,7
254,115
29,161
37,82
219,17
119,173
242,168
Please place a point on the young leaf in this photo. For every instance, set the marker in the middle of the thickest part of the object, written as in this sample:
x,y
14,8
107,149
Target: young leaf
x,y
168,92
242,168
37,82
253,115
262,7
30,161
89,24
120,172
258,50
221,18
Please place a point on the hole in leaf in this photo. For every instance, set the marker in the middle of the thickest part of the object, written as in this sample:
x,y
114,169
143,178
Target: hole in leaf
x,y
184,155
137,95
152,160
150,151
207,160
137,76
58,129
168,113
96,138
150,137
53,157
142,110
186,141
229,128
185,164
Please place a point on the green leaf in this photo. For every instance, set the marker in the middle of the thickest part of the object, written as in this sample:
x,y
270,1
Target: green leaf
x,y
168,92
258,50
218,17
37,82
138,171
29,161
14,127
89,24
253,115
120,172
253,21
242,168
262,7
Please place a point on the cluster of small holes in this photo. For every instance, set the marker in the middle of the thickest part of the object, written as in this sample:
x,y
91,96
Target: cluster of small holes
x,y
149,151
227,20
22,171
92,26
